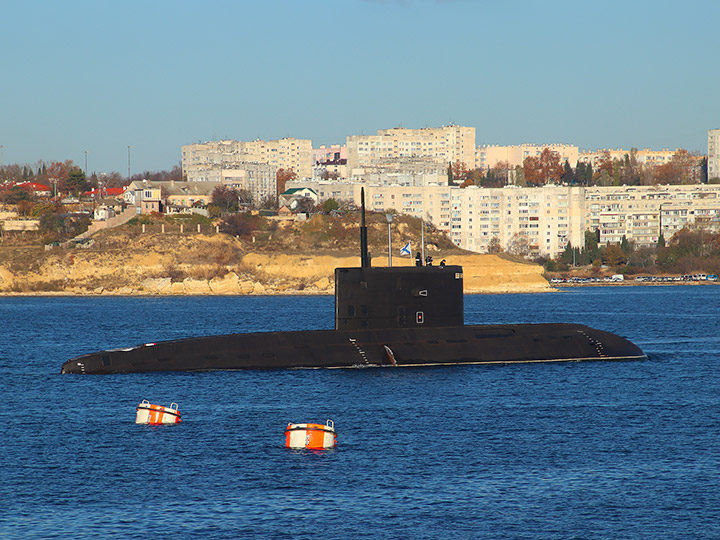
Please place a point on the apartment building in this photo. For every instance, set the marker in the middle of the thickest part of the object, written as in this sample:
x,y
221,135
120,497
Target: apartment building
x,y
488,156
202,160
646,156
333,152
713,153
543,218
640,212
446,144
259,179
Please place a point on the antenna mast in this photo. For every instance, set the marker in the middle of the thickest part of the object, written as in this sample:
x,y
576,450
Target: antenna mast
x,y
364,255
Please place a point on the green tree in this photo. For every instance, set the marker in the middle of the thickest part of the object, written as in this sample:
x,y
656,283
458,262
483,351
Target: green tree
x,y
567,255
660,241
75,182
329,205
580,172
569,175
591,239
626,245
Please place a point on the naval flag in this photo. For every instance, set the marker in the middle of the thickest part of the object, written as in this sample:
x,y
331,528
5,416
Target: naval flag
x,y
405,249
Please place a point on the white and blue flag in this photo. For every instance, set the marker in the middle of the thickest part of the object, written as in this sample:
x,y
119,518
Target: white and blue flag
x,y
405,249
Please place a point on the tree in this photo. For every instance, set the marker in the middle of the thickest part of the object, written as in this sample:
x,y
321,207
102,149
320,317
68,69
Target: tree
x,y
58,173
270,202
330,205
543,169
459,171
626,245
494,245
245,198
112,180
580,172
14,195
660,241
496,176
567,255
282,177
678,170
225,198
519,245
75,182
568,176
305,205
703,170
614,255
329,175
630,169
242,224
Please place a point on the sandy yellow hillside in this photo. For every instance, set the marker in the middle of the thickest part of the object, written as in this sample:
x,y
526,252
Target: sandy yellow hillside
x,y
291,259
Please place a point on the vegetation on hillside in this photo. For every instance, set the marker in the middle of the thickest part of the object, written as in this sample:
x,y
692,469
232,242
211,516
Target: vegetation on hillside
x,y
690,250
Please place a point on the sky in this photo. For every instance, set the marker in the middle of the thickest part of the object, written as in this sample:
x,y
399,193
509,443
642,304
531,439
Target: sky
x,y
98,76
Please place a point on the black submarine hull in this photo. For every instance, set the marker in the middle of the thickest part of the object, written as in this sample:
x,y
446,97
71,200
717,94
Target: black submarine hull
x,y
392,347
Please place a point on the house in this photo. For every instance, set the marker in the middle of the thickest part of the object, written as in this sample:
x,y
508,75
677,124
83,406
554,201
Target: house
x,y
103,213
291,197
169,193
39,190
102,192
107,208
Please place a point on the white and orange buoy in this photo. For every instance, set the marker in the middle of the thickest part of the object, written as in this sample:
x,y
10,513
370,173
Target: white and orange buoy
x,y
147,413
311,436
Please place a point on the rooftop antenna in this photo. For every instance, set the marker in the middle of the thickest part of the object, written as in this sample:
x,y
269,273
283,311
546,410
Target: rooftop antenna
x,y
364,255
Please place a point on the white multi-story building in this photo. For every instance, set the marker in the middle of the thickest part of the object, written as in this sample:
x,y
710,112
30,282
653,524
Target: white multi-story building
x,y
544,218
640,212
646,156
547,218
201,159
713,153
488,156
447,144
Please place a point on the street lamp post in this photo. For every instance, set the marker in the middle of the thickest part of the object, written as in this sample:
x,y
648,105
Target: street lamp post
x,y
389,218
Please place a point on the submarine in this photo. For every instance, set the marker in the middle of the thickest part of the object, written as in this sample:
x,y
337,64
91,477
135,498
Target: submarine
x,y
406,316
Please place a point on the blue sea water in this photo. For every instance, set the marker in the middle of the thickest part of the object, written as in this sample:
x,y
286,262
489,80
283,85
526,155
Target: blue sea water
x,y
577,450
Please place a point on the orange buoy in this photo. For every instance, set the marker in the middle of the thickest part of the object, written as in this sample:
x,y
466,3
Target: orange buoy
x,y
312,436
147,413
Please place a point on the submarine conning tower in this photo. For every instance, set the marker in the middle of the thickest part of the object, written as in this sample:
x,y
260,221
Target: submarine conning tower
x,y
396,297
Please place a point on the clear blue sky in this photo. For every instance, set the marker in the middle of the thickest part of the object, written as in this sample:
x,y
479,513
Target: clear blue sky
x,y
98,76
